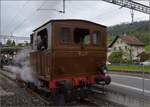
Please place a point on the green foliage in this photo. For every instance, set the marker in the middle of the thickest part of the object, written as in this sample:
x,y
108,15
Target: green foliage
x,y
147,48
13,43
10,50
115,57
20,44
1,44
139,29
26,43
144,57
131,68
110,39
9,42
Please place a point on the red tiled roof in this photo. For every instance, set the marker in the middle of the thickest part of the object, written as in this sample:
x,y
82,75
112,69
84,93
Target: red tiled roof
x,y
131,40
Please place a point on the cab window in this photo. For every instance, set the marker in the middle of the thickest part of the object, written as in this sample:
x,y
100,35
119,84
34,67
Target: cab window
x,y
81,36
96,37
42,40
65,35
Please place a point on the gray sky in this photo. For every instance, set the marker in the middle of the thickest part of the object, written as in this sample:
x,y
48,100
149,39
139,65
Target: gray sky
x,y
21,17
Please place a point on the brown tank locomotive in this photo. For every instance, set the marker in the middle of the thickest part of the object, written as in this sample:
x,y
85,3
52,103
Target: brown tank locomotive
x,y
69,54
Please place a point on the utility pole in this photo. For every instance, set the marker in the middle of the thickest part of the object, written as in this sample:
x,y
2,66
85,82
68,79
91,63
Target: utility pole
x,y
1,65
132,15
63,6
63,10
149,23
60,11
149,44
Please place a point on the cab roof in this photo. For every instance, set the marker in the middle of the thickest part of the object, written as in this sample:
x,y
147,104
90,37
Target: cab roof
x,y
56,20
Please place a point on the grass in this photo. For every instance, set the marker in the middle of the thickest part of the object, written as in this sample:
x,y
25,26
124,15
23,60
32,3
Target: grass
x,y
129,67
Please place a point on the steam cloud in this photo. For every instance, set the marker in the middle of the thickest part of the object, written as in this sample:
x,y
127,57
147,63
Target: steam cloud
x,y
23,70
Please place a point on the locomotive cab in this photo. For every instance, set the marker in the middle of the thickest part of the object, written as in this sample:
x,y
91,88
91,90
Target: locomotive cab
x,y
71,52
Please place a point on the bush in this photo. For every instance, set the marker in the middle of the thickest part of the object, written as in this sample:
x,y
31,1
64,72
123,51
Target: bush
x,y
147,48
115,57
144,57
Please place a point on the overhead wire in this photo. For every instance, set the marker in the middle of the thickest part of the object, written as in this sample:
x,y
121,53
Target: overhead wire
x,y
136,19
16,28
16,15
111,12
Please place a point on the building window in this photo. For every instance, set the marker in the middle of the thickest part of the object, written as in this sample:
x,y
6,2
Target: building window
x,y
65,35
126,47
120,48
96,37
81,36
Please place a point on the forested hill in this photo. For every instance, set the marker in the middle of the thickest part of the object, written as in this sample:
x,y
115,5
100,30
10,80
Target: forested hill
x,y
139,29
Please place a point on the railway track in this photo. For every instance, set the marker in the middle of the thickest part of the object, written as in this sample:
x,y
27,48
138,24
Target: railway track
x,y
90,101
97,100
21,96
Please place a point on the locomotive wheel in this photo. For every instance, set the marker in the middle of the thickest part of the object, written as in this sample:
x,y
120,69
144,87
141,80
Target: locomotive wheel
x,y
22,84
107,80
82,94
82,91
63,92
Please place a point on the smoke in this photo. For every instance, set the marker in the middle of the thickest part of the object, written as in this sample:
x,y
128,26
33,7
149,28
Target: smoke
x,y
22,69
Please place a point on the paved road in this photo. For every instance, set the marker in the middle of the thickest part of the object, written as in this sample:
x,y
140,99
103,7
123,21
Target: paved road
x,y
127,90
132,83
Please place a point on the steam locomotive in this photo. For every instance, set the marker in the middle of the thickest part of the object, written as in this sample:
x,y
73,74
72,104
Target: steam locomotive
x,y
69,56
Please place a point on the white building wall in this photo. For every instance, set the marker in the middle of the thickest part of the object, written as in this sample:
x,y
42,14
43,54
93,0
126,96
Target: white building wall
x,y
119,44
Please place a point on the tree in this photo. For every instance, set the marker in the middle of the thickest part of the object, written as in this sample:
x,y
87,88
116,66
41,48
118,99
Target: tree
x,y
20,44
13,43
147,48
128,55
144,56
9,42
138,29
115,57
26,43
1,44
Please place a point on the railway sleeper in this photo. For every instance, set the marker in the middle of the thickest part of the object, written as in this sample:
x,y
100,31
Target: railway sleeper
x,y
65,91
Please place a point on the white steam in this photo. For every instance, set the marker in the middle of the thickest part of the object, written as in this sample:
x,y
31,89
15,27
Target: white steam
x,y
22,68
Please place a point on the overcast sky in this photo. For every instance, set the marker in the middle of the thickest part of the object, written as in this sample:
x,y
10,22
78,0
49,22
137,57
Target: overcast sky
x,y
21,17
